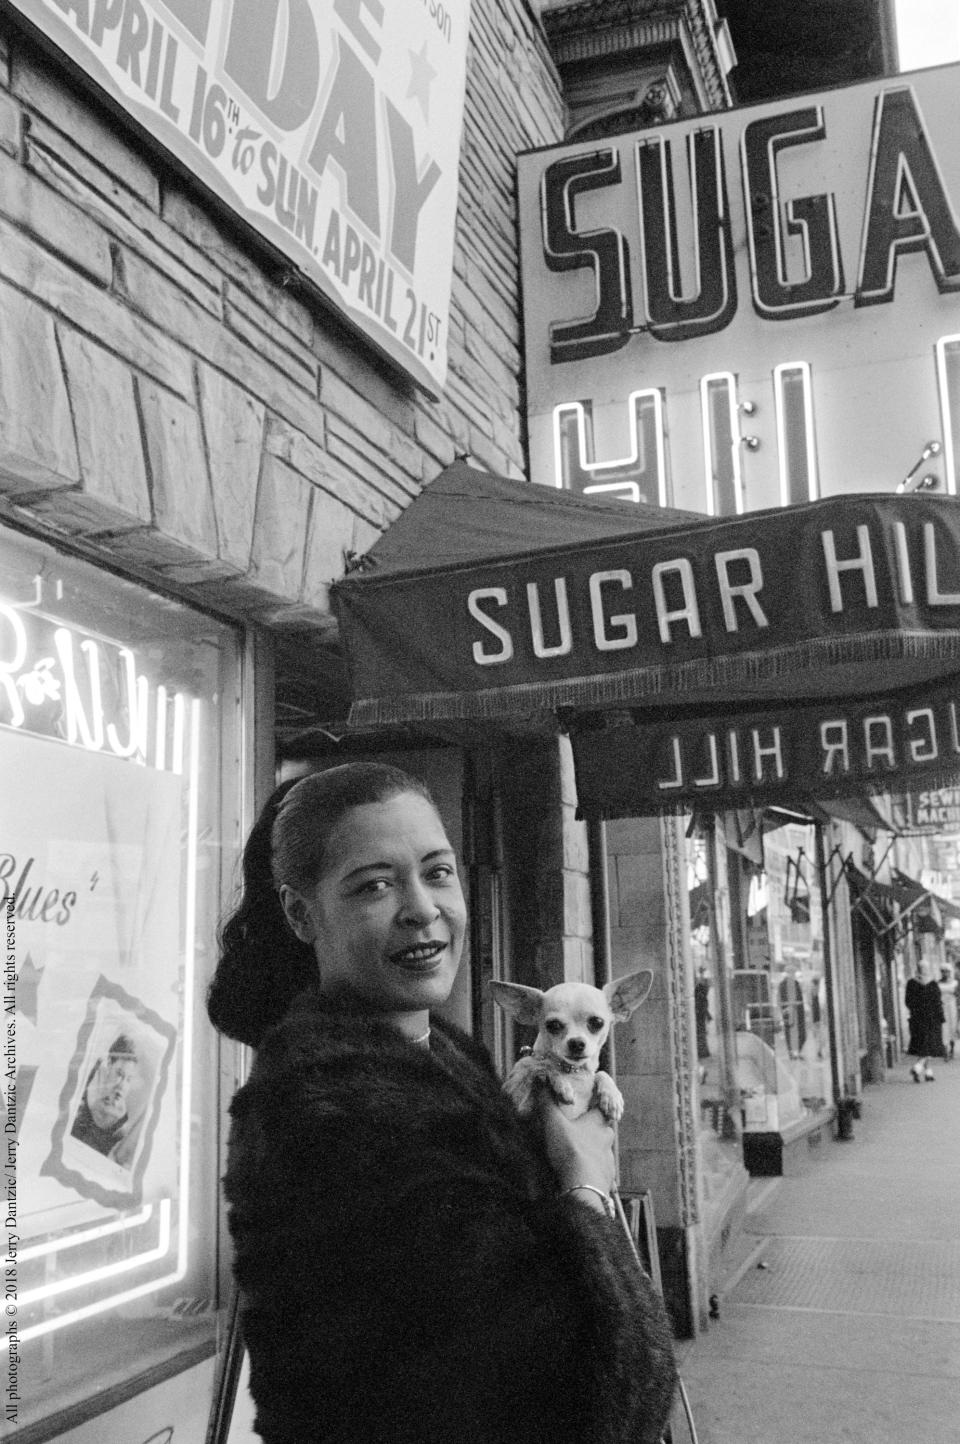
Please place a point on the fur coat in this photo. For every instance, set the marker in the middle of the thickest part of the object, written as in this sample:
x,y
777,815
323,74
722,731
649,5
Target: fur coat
x,y
925,1006
408,1273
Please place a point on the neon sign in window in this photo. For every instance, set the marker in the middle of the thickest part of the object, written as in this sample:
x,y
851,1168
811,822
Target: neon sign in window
x,y
116,708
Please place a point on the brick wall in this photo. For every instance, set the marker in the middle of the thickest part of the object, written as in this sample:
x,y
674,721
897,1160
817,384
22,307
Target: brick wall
x,y
167,403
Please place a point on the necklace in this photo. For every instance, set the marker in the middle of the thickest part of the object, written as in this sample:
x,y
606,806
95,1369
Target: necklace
x,y
424,1039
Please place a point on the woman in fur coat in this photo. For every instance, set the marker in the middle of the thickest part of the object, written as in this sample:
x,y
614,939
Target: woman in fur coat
x,y
417,1265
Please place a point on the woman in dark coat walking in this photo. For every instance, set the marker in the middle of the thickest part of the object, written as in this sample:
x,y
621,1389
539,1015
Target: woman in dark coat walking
x,y
925,1007
416,1263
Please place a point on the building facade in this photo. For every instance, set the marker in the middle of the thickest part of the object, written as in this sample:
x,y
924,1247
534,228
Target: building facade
x,y
197,438
193,440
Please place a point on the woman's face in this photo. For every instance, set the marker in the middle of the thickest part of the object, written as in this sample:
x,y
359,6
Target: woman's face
x,y
387,917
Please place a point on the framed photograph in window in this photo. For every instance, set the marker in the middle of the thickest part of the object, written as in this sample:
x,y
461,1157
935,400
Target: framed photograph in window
x,y
111,1098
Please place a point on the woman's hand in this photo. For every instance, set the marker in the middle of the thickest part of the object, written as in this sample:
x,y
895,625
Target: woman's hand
x,y
581,1150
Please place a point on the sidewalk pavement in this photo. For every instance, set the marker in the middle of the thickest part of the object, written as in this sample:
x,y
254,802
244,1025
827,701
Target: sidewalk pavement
x,y
840,1312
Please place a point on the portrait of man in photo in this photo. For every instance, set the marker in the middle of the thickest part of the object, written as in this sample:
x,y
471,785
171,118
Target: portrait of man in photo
x,y
112,1097
102,1119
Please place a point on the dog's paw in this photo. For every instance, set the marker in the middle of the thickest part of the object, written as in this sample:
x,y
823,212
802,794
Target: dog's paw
x,y
521,1083
562,1091
608,1098
611,1108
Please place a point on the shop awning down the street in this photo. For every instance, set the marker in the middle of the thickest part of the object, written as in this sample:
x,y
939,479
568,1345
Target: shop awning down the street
x,y
900,902
802,651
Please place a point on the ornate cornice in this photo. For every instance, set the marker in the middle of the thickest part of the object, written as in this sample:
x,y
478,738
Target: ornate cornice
x,y
607,27
597,29
618,40
707,53
657,104
587,14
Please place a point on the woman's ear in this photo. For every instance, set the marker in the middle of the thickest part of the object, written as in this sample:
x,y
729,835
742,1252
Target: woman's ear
x,y
297,913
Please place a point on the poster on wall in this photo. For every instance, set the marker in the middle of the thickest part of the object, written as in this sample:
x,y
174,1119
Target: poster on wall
x,y
90,850
331,127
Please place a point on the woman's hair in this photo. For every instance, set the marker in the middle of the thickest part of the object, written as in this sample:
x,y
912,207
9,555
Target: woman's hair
x,y
263,965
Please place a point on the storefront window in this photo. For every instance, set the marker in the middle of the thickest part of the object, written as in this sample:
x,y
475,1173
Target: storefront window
x,y
719,1098
702,930
119,743
778,992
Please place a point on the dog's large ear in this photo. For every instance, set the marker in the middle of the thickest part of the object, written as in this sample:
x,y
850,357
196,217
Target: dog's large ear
x,y
520,1002
627,993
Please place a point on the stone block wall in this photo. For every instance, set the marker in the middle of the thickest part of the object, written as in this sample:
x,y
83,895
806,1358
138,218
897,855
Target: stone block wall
x,y
547,863
648,900
168,402
578,952
647,1056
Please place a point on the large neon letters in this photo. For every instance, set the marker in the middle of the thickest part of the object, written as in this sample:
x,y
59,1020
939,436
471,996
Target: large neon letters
x,y
792,241
908,208
604,251
712,301
810,222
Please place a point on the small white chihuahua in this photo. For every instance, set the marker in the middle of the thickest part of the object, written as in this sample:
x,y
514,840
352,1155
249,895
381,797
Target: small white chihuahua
x,y
572,1022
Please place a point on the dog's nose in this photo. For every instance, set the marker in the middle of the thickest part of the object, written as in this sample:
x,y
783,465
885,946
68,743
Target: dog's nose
x,y
576,1047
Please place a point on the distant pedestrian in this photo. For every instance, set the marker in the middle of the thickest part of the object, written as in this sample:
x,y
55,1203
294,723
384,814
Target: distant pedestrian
x,y
948,997
793,1011
701,1007
816,1012
925,1007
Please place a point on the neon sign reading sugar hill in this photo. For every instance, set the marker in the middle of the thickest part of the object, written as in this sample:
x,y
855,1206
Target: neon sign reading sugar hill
x,y
751,308
906,208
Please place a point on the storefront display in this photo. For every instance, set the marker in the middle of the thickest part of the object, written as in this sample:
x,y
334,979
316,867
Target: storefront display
x,y
119,743
705,949
778,996
710,950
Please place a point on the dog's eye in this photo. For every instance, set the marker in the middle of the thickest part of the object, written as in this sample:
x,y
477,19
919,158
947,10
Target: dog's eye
x,y
595,1025
555,1027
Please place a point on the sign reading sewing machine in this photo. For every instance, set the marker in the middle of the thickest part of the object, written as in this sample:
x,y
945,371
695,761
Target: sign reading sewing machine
x,y
842,615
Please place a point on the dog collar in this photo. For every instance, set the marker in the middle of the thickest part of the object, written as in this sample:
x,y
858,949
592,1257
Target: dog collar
x,y
566,1067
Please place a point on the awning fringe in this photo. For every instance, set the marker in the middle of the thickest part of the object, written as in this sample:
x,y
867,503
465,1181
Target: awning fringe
x,y
652,684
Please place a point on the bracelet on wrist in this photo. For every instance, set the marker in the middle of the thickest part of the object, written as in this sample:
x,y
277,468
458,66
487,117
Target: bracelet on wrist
x,y
609,1207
